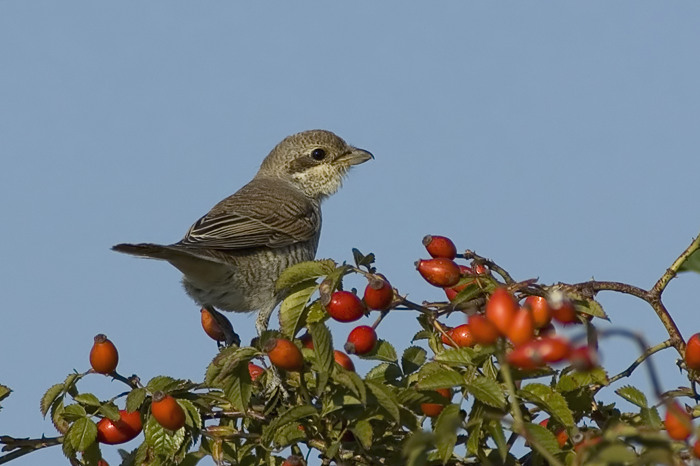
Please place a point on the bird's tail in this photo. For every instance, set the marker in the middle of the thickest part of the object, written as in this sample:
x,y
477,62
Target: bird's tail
x,y
155,251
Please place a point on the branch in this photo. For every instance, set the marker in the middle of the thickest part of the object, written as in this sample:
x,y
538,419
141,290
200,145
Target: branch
x,y
22,446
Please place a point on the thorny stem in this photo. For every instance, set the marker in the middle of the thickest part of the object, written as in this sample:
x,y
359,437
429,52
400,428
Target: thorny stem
x,y
24,446
654,349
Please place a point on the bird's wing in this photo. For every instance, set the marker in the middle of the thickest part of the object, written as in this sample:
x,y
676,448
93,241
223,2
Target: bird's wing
x,y
265,212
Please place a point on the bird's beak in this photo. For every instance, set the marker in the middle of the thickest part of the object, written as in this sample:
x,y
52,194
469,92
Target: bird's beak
x,y
355,157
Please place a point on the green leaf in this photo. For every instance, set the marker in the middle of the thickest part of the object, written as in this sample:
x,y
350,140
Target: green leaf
x,y
458,357
385,397
162,441
691,263
487,391
575,380
383,351
551,401
292,415
293,307
413,358
51,395
651,418
74,412
316,313
384,372
162,383
446,426
194,417
539,436
5,392
471,291
633,395
238,388
110,410
287,435
87,399
617,453
434,375
362,430
82,433
353,382
304,271
495,429
57,410
135,399
361,259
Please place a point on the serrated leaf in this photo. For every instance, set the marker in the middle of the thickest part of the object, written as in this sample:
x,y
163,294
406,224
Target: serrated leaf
x,y
316,313
362,260
633,395
53,393
193,414
135,399
471,291
446,425
495,429
412,359
74,412
385,397
87,399
162,383
383,351
293,414
362,430
69,384
287,435
82,433
551,401
238,388
575,380
651,417
5,392
691,263
539,436
162,442
386,371
303,271
487,391
293,307
591,307
421,335
434,375
110,410
458,357
57,410
617,453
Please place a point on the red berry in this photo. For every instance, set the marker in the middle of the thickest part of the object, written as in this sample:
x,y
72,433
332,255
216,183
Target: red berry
x,y
294,460
461,335
361,340
560,433
522,327
379,294
114,432
255,371
103,355
678,422
584,358
538,353
440,246
344,360
167,411
480,269
692,352
345,306
434,409
452,292
541,312
440,271
501,309
483,331
284,354
307,341
565,312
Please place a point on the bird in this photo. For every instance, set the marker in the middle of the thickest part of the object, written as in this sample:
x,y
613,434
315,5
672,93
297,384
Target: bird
x,y
231,257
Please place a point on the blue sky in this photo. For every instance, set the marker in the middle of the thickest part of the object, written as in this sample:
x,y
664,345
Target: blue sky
x,y
558,138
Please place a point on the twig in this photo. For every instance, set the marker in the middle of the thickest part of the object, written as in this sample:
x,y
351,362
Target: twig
x,y
654,349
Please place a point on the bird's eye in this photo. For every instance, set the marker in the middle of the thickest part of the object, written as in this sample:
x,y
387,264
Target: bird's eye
x,y
318,154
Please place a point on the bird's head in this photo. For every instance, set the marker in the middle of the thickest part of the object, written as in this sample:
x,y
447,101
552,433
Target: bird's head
x,y
315,161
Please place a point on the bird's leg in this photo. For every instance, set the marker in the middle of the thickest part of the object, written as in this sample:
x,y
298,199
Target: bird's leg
x,y
264,316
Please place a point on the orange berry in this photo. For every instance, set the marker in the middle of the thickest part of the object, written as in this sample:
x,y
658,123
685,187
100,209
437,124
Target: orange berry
x,y
284,354
294,460
216,325
501,309
255,371
379,294
538,353
483,331
345,306
461,335
114,432
167,411
440,246
361,340
559,433
678,422
565,312
584,358
692,352
522,327
696,449
103,355
344,360
440,271
434,409
541,312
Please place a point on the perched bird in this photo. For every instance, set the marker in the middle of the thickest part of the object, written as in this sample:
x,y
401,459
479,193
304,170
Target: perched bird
x,y
231,257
